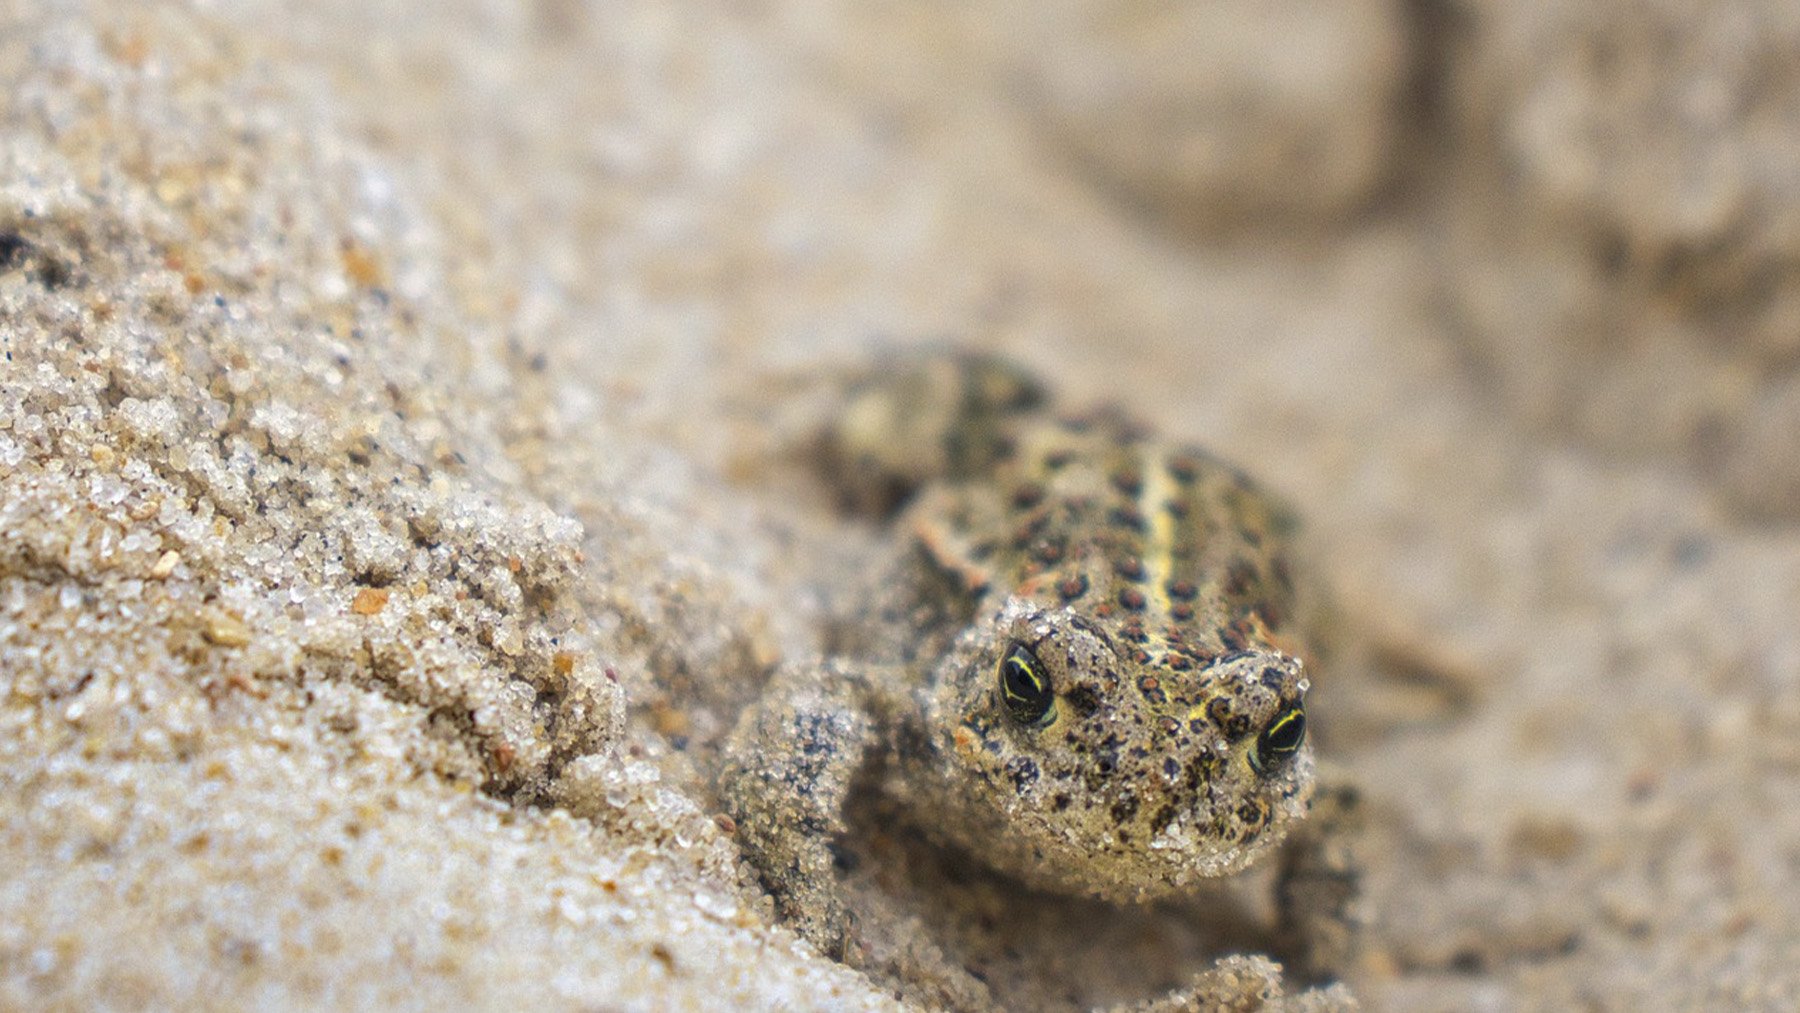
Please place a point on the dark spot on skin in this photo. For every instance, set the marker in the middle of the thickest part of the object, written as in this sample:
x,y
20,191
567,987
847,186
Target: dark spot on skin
x,y
1024,773
1176,509
1059,803
1255,816
1162,819
1027,496
1125,808
1278,569
1027,532
1171,769
1183,590
1057,460
1169,726
1179,662
1103,609
1133,631
1092,629
1240,576
1128,481
1182,611
1233,638
1140,656
1196,726
1050,551
1132,599
1272,678
1084,698
1152,689
1272,615
1200,769
816,734
1126,517
1129,567
1185,467
1218,709
1468,961
1072,587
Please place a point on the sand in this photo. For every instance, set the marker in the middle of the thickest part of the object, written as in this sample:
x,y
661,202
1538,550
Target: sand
x,y
392,508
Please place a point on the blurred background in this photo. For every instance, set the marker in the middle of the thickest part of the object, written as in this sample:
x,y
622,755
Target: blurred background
x,y
1503,294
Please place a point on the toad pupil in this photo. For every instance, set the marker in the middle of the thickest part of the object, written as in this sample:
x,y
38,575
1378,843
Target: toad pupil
x,y
1024,687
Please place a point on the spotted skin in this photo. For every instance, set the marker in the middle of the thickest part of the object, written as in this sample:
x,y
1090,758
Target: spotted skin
x,y
1078,669
1151,583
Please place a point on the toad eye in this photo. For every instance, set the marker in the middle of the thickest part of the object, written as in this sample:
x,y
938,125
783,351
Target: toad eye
x,y
1281,739
1025,687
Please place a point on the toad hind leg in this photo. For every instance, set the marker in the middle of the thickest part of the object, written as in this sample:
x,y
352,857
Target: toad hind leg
x,y
920,416
787,770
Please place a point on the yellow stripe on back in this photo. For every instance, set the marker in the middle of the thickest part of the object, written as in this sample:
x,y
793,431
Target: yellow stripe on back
x,y
1159,547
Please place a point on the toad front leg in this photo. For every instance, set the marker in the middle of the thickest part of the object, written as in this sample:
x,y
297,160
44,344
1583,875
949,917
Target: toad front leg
x,y
1319,920
1318,890
787,771
1243,983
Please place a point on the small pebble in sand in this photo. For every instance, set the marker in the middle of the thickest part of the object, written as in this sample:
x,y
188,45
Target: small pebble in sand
x,y
369,601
